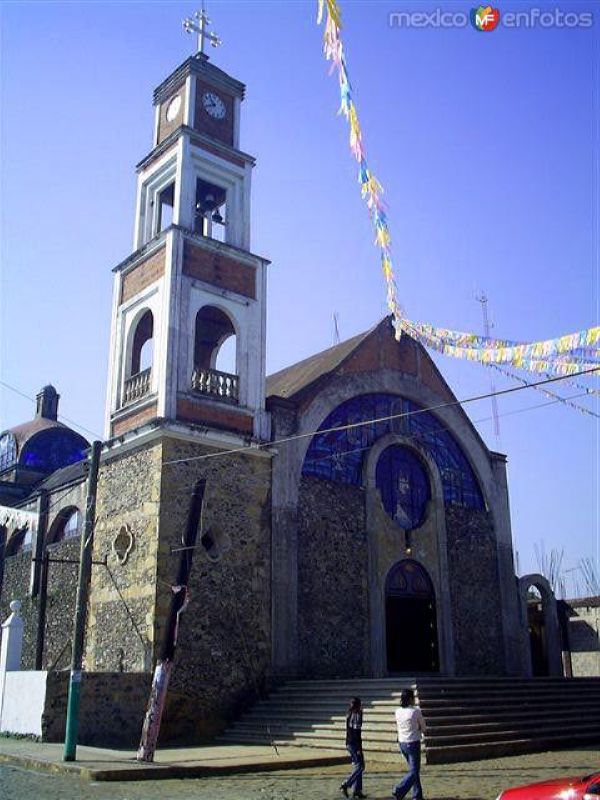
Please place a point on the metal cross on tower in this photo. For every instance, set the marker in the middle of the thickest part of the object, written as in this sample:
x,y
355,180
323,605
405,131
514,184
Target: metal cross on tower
x,y
199,24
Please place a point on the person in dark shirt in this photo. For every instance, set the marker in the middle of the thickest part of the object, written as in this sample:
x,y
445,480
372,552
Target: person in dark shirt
x,y
354,748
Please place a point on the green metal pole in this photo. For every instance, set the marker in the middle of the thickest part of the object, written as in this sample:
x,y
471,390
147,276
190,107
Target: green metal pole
x,y
85,567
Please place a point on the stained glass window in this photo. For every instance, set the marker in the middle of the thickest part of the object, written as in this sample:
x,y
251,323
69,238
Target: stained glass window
x,y
338,455
52,449
404,486
8,451
407,578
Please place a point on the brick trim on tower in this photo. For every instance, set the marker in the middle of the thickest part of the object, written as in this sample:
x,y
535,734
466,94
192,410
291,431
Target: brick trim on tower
x,y
134,420
142,275
224,417
219,270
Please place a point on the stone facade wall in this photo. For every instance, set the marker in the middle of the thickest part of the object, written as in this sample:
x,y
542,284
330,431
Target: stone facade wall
x,y
111,712
224,643
333,606
476,606
61,588
584,637
15,586
123,593
60,605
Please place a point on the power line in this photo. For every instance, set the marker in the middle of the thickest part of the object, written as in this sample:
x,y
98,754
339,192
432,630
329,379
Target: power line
x,y
175,497
62,416
451,403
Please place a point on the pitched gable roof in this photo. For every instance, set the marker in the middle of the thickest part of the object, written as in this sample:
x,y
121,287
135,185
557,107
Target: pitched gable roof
x,y
291,380
375,349
370,351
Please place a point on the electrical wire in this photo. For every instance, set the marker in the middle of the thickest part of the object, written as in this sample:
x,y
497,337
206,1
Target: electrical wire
x,y
175,498
449,404
61,416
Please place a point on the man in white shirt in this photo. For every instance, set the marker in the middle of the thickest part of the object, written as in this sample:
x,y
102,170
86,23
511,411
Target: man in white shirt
x,y
411,726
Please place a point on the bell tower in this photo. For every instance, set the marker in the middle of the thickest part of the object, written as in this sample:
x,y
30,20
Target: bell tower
x,y
192,287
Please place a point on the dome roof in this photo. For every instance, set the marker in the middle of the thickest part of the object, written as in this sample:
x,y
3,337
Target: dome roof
x,y
43,444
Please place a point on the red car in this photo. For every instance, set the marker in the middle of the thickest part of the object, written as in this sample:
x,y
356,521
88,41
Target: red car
x,y
586,788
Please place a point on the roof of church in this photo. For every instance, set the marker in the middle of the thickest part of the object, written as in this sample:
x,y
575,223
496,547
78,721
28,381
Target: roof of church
x,y
72,473
43,443
199,64
24,432
289,381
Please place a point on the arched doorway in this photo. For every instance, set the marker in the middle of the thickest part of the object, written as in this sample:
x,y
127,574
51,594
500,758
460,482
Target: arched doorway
x,y
410,620
537,633
541,633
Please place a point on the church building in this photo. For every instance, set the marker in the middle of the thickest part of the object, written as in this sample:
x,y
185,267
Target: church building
x,y
355,524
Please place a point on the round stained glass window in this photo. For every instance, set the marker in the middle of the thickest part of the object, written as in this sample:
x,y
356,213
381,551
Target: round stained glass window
x,y
403,484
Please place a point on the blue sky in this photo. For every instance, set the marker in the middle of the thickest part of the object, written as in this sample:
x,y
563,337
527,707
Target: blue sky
x,y
487,146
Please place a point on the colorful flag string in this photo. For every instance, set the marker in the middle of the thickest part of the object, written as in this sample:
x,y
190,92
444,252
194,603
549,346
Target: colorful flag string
x,y
564,355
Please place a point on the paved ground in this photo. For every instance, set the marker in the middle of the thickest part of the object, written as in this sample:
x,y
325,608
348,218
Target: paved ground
x,y
482,780
100,764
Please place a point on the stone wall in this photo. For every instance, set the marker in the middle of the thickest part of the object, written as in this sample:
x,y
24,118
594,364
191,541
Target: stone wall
x,y
333,610
584,636
60,605
111,712
123,593
476,605
224,642
61,589
15,586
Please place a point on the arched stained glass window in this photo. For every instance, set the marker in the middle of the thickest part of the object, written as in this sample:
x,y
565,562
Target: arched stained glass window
x,y
404,486
338,455
52,449
8,450
408,579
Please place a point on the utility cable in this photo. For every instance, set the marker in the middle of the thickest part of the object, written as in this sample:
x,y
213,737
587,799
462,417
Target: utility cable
x,y
449,404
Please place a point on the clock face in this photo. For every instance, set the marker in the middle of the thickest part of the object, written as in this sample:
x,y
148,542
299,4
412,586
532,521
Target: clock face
x,y
173,108
213,105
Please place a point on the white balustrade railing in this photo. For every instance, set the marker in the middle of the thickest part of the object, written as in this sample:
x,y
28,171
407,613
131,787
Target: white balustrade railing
x,y
137,386
215,384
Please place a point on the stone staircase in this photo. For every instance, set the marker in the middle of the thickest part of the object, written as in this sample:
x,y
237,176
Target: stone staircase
x,y
467,718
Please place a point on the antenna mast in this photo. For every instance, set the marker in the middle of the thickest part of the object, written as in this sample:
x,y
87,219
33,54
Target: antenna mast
x,y
336,329
482,298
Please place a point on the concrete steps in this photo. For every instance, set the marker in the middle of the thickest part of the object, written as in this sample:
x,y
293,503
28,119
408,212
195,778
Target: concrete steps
x,y
467,718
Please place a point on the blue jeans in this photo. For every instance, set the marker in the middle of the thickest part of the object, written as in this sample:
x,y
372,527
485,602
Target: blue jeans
x,y
412,753
358,767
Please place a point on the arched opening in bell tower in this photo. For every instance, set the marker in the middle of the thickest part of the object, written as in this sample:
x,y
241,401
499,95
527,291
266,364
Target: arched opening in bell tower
x,y
211,210
410,620
215,355
138,370
213,330
142,351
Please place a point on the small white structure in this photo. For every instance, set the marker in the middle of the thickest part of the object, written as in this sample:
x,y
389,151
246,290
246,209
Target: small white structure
x,y
22,694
